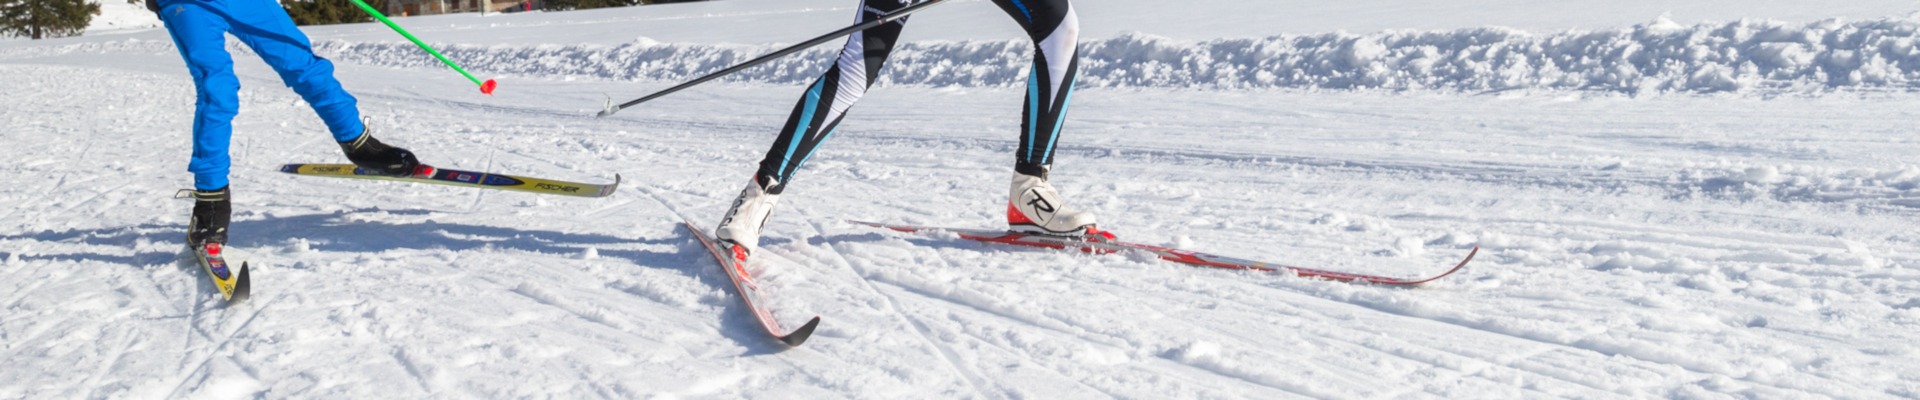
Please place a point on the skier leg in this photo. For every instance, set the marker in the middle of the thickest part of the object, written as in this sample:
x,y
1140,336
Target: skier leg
x,y
812,122
199,33
212,209
1033,204
264,26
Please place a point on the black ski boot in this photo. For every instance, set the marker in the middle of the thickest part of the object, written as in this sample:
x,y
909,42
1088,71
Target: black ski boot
x,y
207,238
211,211
379,158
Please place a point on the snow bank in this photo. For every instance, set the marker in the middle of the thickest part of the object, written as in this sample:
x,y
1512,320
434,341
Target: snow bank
x,y
1656,57
1661,56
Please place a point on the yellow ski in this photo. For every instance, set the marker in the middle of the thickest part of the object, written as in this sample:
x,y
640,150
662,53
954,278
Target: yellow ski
x,y
212,257
443,176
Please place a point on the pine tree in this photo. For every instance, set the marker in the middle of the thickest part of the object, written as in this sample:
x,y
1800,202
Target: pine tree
x,y
323,12
41,19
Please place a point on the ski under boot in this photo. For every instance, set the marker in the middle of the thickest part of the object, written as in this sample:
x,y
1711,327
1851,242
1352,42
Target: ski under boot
x,y
1033,206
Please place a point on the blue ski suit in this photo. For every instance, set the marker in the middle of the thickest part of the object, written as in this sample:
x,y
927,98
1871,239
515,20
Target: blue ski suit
x,y
199,29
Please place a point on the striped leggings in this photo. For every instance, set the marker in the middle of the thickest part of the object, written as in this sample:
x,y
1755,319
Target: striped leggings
x,y
1051,25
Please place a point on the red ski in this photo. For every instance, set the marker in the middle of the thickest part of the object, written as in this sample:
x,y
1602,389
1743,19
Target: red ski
x,y
1105,244
734,262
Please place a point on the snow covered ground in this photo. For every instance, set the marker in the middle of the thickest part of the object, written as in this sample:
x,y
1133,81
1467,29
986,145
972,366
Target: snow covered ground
x,y
117,17
1745,234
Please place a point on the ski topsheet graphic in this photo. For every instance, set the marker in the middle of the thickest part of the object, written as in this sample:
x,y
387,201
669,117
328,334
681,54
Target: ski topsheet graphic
x,y
234,284
735,265
443,176
1098,244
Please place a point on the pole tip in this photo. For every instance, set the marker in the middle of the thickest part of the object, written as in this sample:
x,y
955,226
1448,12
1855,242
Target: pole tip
x,y
488,87
609,110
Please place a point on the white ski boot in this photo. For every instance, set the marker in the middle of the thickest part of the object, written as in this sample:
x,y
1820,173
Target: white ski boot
x,y
743,222
1035,207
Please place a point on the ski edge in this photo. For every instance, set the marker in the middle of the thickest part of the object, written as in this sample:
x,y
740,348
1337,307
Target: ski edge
x,y
750,295
1188,257
352,172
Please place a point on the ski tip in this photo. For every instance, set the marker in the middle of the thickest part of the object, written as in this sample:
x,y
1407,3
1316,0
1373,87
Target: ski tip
x,y
800,336
487,87
1456,267
241,287
605,190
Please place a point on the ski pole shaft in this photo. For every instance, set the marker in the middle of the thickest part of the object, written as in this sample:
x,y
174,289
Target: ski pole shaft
x,y
889,17
485,87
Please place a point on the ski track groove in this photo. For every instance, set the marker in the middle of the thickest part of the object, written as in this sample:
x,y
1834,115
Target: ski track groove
x,y
95,196
106,367
1329,338
893,306
85,149
414,371
560,303
1210,371
25,291
209,354
1256,308
1085,338
1563,347
1547,347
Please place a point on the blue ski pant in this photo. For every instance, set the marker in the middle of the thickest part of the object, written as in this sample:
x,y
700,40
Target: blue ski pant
x,y
1051,24
199,29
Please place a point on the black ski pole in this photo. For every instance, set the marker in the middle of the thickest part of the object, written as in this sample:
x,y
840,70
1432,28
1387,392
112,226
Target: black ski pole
x,y
889,17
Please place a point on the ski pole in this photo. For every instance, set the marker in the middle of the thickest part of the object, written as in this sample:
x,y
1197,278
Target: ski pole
x,y
485,87
889,17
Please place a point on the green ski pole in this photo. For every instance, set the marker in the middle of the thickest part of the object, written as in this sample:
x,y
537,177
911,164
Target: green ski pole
x,y
485,87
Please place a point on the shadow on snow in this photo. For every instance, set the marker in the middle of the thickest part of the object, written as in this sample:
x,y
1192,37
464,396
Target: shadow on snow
x,y
334,233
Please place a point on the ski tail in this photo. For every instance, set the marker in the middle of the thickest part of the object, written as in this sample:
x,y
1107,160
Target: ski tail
x,y
453,177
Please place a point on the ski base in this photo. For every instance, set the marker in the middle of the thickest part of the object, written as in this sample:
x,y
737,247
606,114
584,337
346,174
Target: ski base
x,y
453,177
734,262
1106,244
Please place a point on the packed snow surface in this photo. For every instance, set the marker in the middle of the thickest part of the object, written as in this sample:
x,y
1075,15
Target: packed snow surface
x,y
1717,203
